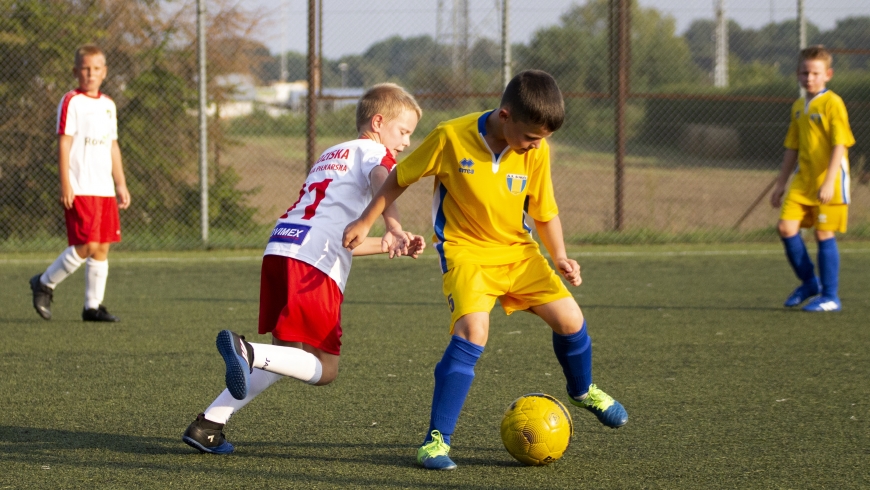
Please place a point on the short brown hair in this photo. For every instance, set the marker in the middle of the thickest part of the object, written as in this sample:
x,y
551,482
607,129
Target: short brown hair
x,y
817,52
87,50
387,99
533,97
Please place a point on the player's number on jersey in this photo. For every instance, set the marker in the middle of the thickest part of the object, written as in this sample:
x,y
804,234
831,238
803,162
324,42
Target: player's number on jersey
x,y
319,190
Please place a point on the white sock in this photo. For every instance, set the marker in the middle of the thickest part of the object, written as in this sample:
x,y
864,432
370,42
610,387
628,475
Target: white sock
x,y
225,405
65,264
288,361
96,273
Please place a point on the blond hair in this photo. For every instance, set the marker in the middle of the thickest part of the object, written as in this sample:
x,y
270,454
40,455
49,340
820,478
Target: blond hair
x,y
817,52
88,50
386,99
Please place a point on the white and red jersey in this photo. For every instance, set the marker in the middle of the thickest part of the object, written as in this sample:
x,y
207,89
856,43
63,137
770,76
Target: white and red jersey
x,y
337,190
93,124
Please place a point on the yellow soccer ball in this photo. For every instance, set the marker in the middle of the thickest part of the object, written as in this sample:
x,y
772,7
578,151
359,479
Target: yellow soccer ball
x,y
536,429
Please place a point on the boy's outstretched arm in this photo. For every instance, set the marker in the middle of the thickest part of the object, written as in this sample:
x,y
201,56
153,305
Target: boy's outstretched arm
x,y
553,240
357,230
395,241
789,162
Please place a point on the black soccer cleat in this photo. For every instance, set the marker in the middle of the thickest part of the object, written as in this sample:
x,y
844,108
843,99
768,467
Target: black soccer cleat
x,y
206,436
42,297
99,314
238,356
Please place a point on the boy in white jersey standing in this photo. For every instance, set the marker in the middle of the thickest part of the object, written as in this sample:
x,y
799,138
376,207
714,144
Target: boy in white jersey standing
x,y
92,187
488,168
816,143
305,268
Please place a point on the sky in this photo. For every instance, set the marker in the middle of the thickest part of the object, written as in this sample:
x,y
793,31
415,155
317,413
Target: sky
x,y
351,26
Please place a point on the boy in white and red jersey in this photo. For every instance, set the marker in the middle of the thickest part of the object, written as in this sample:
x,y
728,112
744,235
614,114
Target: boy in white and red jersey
x,y
92,187
305,268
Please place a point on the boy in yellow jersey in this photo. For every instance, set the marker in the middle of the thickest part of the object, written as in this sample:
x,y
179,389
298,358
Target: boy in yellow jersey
x,y
816,143
488,168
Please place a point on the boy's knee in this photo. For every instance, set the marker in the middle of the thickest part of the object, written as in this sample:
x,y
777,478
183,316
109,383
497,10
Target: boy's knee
x,y
327,377
788,229
822,235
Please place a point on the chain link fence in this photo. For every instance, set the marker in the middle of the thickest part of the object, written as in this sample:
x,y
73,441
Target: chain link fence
x,y
703,113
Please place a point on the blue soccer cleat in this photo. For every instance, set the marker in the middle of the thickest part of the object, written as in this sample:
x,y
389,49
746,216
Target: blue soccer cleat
x,y
207,436
803,292
609,411
238,355
433,454
823,303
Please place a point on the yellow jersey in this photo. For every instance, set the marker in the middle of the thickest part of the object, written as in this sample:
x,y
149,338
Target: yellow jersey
x,y
479,197
816,127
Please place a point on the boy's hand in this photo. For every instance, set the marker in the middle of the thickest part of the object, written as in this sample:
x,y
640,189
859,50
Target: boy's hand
x,y
123,196
395,242
570,270
354,234
416,245
776,196
67,196
826,192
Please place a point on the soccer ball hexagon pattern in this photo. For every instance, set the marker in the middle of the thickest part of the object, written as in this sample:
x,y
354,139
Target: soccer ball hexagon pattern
x,y
536,429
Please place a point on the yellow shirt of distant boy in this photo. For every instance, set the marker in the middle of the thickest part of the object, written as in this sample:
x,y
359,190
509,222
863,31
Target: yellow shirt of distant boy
x,y
479,198
816,127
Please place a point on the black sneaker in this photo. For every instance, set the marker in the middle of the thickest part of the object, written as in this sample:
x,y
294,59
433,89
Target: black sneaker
x,y
239,357
42,297
206,436
98,315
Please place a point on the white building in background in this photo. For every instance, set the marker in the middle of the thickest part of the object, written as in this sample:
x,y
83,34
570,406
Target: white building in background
x,y
278,98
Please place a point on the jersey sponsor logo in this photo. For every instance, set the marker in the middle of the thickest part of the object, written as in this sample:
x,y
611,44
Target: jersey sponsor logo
x,y
97,141
516,183
797,114
289,233
339,154
816,118
465,166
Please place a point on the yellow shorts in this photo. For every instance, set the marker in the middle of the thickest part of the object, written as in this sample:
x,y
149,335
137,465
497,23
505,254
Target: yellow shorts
x,y
472,288
825,217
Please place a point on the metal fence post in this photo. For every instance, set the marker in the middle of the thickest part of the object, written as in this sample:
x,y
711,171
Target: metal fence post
x,y
203,122
505,43
313,84
619,42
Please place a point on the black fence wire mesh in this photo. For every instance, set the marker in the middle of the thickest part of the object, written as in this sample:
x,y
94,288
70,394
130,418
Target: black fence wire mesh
x,y
704,113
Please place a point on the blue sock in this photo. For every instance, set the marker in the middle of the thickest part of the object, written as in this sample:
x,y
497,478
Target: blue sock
x,y
453,377
575,355
829,267
798,257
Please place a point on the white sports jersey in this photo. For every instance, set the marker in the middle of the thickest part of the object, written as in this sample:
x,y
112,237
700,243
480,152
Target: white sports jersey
x,y
93,124
336,191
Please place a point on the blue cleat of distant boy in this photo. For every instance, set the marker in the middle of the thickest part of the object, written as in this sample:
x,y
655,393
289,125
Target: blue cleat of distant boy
x,y
239,358
803,292
823,303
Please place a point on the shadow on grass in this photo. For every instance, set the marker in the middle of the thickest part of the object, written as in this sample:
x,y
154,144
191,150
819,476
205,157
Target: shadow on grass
x,y
54,447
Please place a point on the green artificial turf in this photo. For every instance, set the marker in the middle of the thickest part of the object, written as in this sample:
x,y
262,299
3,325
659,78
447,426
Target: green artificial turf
x,y
724,387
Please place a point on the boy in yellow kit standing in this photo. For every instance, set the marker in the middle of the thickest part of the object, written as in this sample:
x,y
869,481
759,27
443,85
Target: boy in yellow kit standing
x,y
488,168
817,142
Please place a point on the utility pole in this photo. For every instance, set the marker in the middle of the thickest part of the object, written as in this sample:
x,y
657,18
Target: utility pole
x,y
313,83
720,70
284,75
620,38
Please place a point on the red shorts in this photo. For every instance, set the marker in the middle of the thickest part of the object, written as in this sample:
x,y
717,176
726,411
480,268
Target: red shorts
x,y
300,303
93,219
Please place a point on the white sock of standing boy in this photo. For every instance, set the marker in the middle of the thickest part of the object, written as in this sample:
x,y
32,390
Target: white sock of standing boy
x,y
225,405
96,273
65,264
288,361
